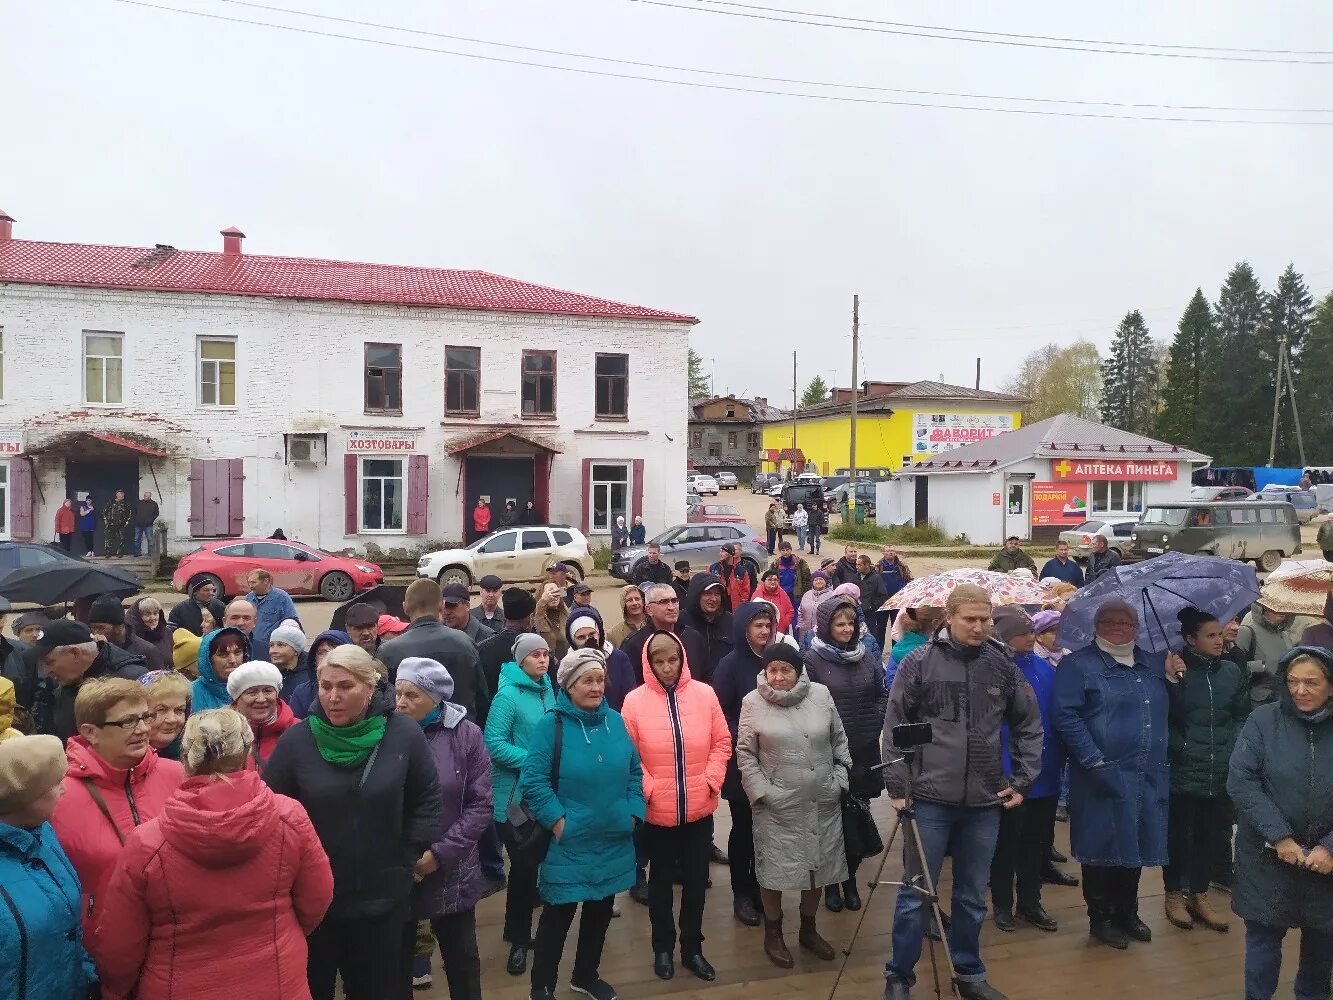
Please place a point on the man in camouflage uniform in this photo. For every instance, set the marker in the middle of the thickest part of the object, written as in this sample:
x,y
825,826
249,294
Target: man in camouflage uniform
x,y
115,522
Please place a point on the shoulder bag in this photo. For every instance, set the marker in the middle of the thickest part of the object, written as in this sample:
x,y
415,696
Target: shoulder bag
x,y
525,838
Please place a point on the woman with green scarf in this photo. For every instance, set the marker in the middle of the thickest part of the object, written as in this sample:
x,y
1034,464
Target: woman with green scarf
x,y
365,776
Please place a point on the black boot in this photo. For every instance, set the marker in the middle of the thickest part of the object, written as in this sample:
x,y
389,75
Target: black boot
x,y
978,991
1127,919
518,959
746,911
833,897
851,898
1004,918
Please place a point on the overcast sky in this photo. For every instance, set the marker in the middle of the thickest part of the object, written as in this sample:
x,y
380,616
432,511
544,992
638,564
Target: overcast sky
x,y
966,234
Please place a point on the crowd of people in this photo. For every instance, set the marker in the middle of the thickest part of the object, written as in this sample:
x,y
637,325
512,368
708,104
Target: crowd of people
x,y
205,782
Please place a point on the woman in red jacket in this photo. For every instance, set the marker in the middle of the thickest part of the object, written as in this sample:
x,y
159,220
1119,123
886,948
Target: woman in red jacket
x,y
771,591
254,688
115,783
682,737
215,897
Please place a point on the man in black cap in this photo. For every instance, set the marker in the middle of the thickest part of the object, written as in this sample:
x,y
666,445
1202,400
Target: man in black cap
x,y
558,574
361,623
680,579
66,655
488,612
106,620
189,613
519,607
580,596
455,612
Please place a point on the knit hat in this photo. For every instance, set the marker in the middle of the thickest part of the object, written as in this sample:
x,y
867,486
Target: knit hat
x,y
429,675
200,583
289,636
106,610
61,632
362,615
184,649
30,766
851,590
1010,621
1045,620
517,603
389,625
819,574
784,652
578,662
528,643
256,673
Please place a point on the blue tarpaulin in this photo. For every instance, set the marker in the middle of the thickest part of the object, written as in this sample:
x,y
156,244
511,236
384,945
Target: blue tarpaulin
x,y
1264,476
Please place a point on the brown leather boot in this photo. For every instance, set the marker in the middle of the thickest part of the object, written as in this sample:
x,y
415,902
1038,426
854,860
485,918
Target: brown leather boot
x,y
1178,910
810,940
1201,910
774,947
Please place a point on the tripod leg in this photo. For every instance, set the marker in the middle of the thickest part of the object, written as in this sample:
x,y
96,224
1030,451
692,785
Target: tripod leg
x,y
928,882
870,898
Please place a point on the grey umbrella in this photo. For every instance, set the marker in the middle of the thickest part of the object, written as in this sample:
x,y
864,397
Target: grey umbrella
x,y
65,582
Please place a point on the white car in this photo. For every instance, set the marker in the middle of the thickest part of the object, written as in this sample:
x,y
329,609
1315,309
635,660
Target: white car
x,y
728,480
520,554
703,485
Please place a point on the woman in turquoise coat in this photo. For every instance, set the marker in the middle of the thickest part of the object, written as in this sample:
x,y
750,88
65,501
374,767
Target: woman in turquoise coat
x,y
525,695
591,808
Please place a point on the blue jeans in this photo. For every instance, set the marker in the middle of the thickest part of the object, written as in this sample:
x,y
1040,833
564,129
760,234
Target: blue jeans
x,y
814,539
1263,962
800,539
144,536
968,836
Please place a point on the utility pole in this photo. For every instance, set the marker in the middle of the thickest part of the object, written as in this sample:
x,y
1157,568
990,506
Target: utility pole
x,y
978,385
1277,399
1285,379
856,389
793,408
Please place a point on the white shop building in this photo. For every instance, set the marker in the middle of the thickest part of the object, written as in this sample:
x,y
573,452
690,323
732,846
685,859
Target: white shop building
x,y
345,403
1038,481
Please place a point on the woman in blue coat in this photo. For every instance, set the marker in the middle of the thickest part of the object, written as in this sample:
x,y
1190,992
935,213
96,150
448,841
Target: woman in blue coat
x,y
1111,712
590,805
41,934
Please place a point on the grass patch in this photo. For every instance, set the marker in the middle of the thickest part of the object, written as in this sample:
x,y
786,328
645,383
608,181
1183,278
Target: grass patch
x,y
874,534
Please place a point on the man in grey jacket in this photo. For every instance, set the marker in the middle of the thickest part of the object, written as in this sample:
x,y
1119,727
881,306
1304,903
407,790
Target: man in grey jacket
x,y
964,683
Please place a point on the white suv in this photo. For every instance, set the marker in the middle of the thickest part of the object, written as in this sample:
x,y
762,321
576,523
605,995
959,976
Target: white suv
x,y
520,554
701,484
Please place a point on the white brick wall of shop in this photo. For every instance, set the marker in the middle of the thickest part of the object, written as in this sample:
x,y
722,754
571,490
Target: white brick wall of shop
x,y
300,369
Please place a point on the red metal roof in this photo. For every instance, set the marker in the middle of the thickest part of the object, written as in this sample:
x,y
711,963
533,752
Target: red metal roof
x,y
164,269
132,445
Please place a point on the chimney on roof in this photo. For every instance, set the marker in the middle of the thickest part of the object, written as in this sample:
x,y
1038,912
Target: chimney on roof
x,y
761,401
6,226
231,241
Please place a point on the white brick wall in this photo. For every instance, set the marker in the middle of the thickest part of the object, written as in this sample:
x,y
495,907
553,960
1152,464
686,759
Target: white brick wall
x,y
300,369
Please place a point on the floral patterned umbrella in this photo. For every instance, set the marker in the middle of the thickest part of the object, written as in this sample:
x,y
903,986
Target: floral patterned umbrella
x,y
1298,587
933,591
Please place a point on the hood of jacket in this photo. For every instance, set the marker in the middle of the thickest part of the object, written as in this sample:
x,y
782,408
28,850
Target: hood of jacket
x,y
134,619
1285,699
698,584
240,804
650,678
333,636
85,762
450,716
512,675
577,612
740,625
206,672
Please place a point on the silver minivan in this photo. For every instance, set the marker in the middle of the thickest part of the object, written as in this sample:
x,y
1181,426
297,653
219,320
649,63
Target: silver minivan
x,y
1264,532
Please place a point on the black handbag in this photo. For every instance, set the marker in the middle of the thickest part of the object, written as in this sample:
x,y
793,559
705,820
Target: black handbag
x,y
859,833
527,840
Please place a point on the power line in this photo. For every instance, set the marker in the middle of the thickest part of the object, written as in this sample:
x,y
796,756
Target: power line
x,y
794,81
1019,35
697,85
1011,42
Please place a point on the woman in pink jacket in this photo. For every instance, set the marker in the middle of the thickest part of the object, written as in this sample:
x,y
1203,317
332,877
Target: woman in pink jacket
x,y
230,870
682,737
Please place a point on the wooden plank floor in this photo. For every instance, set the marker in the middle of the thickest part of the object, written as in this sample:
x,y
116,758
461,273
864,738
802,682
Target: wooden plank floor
x,y
1027,965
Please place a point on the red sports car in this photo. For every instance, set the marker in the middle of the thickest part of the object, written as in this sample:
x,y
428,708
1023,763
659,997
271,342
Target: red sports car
x,y
296,568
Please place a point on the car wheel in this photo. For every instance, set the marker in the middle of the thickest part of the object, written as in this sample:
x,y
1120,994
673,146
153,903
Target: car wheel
x,y
455,574
336,586
575,572
200,580
1270,560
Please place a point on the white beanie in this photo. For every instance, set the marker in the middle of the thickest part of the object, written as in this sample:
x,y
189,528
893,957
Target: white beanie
x,y
254,674
288,635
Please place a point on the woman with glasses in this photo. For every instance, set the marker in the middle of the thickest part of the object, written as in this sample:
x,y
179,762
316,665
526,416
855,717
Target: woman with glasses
x,y
115,782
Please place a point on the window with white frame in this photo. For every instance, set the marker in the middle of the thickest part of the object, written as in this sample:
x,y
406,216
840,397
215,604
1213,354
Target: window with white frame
x,y
103,357
4,499
383,494
610,495
1106,496
217,371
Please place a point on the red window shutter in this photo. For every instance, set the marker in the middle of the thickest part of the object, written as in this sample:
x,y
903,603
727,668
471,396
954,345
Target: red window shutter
x,y
418,494
20,499
636,490
351,495
236,496
541,485
196,482
587,492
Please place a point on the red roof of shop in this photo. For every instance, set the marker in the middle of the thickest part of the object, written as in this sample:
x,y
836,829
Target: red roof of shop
x,y
166,269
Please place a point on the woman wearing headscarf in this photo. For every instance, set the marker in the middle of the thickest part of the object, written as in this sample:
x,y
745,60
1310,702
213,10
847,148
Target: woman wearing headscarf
x,y
41,937
839,659
220,652
254,689
166,932
794,763
549,619
146,620
590,803
683,741
115,783
1278,783
366,777
818,593
448,873
632,615
168,695
525,695
1110,709
852,592
1046,625
619,534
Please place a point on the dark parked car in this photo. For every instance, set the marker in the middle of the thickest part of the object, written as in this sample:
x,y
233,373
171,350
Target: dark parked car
x,y
764,481
810,493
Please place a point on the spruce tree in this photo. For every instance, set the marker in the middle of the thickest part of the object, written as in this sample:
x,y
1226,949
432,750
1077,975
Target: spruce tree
x,y
1129,377
1314,387
1235,406
816,392
1194,343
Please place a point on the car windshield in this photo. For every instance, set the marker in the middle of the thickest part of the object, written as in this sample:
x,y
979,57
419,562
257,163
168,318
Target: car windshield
x,y
1089,526
1165,515
663,537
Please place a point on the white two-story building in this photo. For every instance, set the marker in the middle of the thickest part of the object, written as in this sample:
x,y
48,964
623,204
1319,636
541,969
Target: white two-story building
x,y
345,403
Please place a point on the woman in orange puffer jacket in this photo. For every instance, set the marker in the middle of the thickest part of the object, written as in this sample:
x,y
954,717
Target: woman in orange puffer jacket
x,y
683,740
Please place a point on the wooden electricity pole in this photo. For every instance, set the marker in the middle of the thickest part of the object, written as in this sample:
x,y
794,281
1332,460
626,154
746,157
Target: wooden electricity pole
x,y
793,409
856,389
1285,382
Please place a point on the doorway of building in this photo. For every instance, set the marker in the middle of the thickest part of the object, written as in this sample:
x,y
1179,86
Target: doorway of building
x,y
497,480
921,515
1017,521
100,480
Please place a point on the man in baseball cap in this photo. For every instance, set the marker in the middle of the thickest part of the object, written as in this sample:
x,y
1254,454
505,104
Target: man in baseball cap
x,y
455,612
489,613
580,595
66,655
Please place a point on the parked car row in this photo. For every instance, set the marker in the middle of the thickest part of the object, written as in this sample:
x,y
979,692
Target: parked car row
x,y
1116,531
697,543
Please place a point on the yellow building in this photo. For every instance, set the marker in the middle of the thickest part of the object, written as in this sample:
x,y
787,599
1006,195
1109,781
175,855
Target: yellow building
x,y
897,424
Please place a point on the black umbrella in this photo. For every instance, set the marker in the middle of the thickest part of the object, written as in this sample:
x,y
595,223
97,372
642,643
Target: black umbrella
x,y
386,599
65,582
